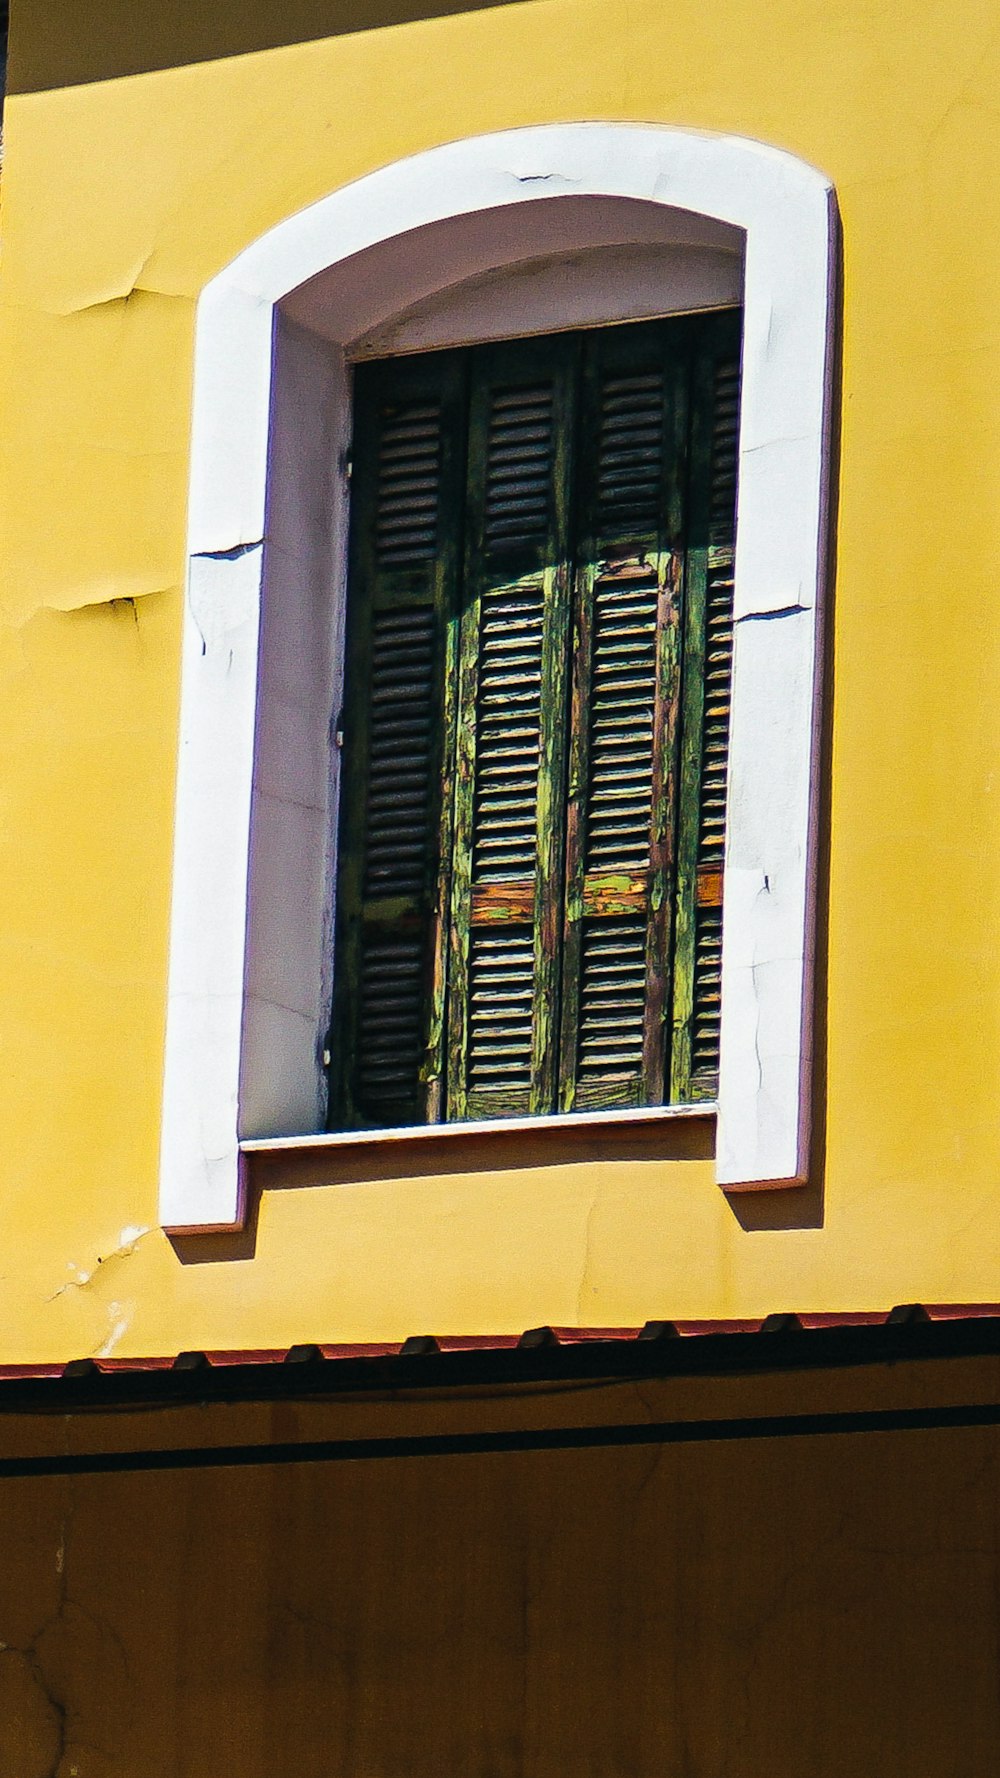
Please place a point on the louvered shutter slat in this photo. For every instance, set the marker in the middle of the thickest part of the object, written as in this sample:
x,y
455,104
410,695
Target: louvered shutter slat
x,y
707,989
622,701
387,1040
707,692
611,1020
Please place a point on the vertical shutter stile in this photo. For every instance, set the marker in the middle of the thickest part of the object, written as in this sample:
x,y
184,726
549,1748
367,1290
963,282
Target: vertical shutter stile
x,y
387,1037
509,803
708,654
620,828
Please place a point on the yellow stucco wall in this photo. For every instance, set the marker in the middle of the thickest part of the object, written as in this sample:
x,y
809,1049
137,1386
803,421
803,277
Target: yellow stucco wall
x,y
121,197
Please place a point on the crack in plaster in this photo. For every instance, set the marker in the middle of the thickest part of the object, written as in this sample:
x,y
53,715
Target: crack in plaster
x,y
581,1313
117,294
231,554
68,602
128,1241
758,1058
546,179
57,1709
964,95
62,1713
765,616
30,1652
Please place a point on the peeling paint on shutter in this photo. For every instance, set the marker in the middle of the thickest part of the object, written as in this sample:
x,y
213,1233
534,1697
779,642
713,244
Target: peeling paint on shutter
x,y
619,804
625,699
706,1019
508,733
507,879
501,1009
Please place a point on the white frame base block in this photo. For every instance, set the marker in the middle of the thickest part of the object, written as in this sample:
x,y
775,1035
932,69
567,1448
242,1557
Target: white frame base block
x,y
786,212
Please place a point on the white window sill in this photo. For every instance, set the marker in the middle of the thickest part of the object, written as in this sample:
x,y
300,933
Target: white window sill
x,y
645,1116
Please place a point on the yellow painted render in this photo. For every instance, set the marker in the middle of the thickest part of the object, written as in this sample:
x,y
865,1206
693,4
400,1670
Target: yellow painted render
x,y
120,198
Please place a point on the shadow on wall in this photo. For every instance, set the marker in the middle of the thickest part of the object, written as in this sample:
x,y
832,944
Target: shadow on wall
x,y
468,1152
71,42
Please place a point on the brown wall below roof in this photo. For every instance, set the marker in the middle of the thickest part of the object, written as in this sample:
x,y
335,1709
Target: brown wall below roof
x,y
789,1606
73,42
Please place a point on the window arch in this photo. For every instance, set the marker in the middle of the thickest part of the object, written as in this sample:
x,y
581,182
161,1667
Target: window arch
x,y
679,215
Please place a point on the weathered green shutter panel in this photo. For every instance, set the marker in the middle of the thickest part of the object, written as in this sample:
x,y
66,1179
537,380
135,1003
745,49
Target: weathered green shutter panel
x,y
707,690
509,810
622,797
387,1038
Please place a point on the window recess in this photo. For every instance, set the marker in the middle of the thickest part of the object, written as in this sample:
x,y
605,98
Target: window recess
x,y
529,905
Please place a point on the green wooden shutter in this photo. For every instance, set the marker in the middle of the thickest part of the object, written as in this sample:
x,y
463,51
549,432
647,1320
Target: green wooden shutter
x,y
536,726
510,794
708,656
622,795
394,846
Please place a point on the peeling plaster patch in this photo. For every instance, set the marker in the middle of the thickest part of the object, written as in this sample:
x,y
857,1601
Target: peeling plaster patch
x,y
222,595
81,1278
119,1327
128,1241
583,1305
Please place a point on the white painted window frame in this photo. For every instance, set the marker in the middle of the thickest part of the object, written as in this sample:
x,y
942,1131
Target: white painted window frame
x,y
787,212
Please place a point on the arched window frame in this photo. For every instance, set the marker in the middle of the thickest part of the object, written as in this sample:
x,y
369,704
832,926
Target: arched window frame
x,y
786,211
